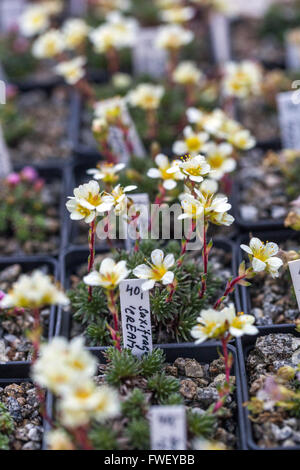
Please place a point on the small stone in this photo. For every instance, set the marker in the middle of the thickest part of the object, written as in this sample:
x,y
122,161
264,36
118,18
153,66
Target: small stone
x,y
11,273
31,446
281,434
193,369
188,389
180,364
249,212
207,396
3,356
14,409
172,370
221,379
35,433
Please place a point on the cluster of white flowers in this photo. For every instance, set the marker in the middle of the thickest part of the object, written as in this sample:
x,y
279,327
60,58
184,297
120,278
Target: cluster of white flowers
x,y
242,79
67,369
32,291
117,32
214,324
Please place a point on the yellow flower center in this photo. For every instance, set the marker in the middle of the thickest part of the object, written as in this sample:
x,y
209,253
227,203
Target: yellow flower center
x,y
261,253
83,393
193,143
216,160
158,272
83,210
94,199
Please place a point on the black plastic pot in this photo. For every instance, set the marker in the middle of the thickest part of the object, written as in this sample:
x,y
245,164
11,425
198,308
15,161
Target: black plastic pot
x,y
244,346
277,237
259,225
50,173
76,256
14,369
269,65
203,353
24,376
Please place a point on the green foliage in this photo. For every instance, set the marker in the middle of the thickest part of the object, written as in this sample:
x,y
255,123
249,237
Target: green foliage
x,y
138,433
201,425
17,62
22,210
103,438
280,18
15,125
135,405
152,363
4,442
162,386
122,365
6,427
173,399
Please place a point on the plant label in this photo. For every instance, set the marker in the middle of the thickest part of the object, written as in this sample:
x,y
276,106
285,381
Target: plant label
x,y
289,119
295,274
5,162
138,227
116,139
220,37
136,319
148,59
168,427
10,11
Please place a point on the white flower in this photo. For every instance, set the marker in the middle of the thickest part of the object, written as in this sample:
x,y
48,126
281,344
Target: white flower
x,y
48,45
192,208
178,14
72,70
193,168
119,199
262,256
110,110
34,291
109,276
239,325
169,180
75,31
62,365
58,439
215,208
210,325
146,96
209,186
242,139
194,115
86,201
213,324
218,157
173,37
106,172
187,73
34,20
193,142
242,79
121,80
157,271
119,32
85,402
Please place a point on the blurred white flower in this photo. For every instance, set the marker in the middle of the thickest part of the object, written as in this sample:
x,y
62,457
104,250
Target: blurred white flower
x,y
107,172
242,79
72,70
242,139
34,20
173,37
109,275
118,32
193,168
49,45
146,96
177,14
193,142
187,73
218,157
34,291
75,32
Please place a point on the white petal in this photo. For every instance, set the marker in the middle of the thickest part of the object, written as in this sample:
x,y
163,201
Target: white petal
x,y
161,160
148,285
129,188
154,173
247,249
271,249
258,265
168,278
92,279
169,184
157,257
107,266
169,261
179,147
255,244
142,271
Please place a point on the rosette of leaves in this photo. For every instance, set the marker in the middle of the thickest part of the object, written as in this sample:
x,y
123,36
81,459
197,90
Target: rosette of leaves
x,y
6,427
171,321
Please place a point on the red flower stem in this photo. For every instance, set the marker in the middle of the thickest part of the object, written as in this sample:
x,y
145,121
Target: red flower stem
x,y
205,263
229,289
185,242
113,60
125,130
81,437
109,155
91,259
224,393
151,117
158,202
114,311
